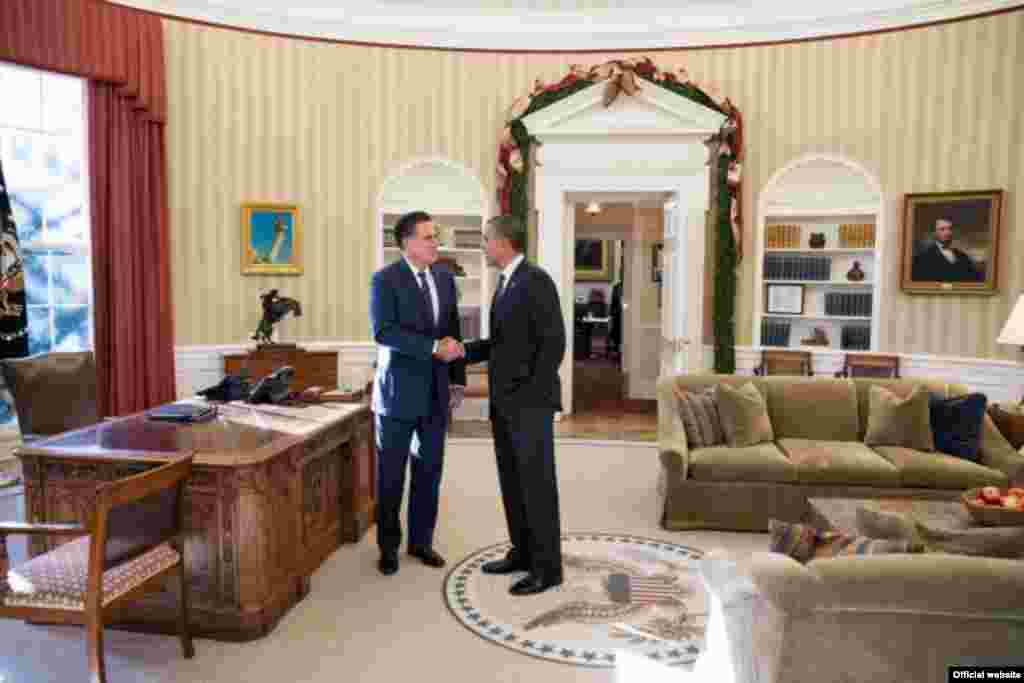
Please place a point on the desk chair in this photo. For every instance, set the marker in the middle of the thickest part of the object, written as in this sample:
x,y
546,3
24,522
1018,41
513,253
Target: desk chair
x,y
133,537
53,392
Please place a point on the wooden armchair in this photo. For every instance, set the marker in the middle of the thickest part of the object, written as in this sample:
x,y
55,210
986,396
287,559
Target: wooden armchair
x,y
784,363
870,365
133,538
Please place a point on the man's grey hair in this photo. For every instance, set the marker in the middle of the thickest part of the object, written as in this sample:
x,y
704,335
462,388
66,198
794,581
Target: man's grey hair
x,y
508,227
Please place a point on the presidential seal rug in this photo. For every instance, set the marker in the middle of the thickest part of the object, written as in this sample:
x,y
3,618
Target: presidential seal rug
x,y
620,593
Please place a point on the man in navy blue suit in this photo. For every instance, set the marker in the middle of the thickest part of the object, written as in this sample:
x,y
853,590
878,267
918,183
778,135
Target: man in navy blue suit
x,y
420,378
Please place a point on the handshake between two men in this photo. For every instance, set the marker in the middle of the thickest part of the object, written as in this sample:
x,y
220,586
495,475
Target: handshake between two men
x,y
449,349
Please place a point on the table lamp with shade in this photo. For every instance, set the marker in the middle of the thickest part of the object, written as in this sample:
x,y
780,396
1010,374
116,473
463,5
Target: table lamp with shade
x,y
1013,330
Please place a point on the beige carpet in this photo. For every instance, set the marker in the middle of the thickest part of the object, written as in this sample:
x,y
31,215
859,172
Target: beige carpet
x,y
357,625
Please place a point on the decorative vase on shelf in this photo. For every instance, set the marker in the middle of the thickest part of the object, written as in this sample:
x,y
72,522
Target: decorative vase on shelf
x,y
855,274
818,338
817,240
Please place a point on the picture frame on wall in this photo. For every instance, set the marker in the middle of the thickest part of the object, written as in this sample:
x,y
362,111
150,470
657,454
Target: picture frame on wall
x,y
785,299
593,260
271,237
951,242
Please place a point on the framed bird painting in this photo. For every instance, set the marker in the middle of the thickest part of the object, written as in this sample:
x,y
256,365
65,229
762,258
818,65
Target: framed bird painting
x,y
271,239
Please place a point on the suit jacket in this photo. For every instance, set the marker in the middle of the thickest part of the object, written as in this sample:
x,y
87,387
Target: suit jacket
x,y
410,382
930,265
526,345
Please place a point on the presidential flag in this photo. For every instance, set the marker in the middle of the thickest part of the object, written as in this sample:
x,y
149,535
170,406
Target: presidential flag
x,y
13,319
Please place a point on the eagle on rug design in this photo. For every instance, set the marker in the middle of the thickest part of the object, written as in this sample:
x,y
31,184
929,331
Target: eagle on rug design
x,y
618,593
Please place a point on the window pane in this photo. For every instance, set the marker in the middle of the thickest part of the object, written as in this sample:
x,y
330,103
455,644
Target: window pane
x,y
35,264
28,212
38,330
66,219
72,329
72,278
62,104
22,89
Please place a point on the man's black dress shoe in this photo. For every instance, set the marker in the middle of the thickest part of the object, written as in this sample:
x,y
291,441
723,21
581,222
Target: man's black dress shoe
x,y
427,556
533,584
504,566
388,563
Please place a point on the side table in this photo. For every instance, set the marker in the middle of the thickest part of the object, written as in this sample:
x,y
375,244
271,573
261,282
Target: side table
x,y
1011,425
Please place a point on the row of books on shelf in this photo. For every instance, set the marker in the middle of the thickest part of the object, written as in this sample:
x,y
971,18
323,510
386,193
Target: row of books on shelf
x,y
851,337
848,303
778,267
459,238
857,235
782,236
855,338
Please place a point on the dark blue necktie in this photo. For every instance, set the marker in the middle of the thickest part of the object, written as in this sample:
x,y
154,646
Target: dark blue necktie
x,y
501,287
426,296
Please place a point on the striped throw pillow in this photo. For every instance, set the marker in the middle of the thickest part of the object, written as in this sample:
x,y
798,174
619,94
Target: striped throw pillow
x,y
699,414
803,542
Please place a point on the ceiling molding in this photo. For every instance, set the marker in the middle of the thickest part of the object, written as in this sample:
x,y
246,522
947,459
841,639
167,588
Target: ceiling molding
x,y
564,26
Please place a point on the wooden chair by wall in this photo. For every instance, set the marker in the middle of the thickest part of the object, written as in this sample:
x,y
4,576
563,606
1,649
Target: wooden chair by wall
x,y
133,538
784,363
870,365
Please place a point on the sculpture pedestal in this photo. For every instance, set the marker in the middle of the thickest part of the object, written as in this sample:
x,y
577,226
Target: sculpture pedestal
x,y
312,368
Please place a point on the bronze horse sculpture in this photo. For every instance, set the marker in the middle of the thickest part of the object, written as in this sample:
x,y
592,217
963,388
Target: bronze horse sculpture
x,y
275,308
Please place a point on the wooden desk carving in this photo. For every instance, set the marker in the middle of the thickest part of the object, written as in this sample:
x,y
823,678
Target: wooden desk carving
x,y
274,491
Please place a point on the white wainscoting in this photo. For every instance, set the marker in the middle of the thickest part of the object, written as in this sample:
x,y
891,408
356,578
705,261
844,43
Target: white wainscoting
x,y
202,366
198,367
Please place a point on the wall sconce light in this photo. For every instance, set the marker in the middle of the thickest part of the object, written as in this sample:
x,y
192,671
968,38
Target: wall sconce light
x,y
593,208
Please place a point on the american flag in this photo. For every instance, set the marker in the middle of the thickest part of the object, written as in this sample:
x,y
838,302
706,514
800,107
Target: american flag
x,y
13,319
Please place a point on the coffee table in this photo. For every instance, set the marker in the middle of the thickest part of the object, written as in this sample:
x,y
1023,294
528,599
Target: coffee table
x,y
942,525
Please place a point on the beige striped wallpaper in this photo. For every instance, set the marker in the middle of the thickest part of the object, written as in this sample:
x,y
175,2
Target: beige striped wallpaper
x,y
255,117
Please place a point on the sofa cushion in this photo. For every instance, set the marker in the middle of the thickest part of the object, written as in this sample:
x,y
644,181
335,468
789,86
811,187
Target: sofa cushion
x,y
744,415
896,421
763,462
938,470
813,408
699,414
900,387
956,424
838,462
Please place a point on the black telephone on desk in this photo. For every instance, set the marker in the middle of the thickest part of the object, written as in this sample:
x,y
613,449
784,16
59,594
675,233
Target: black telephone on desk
x,y
274,387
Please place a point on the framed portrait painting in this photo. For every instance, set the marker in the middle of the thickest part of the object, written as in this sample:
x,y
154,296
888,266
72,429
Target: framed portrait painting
x,y
593,260
271,239
951,242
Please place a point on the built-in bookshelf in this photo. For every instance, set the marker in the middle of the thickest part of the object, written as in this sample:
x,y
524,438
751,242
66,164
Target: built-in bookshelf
x,y
818,270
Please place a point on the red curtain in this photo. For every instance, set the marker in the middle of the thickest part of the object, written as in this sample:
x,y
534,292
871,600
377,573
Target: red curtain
x,y
120,51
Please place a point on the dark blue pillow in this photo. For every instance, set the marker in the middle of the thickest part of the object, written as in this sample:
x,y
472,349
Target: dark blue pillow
x,y
956,424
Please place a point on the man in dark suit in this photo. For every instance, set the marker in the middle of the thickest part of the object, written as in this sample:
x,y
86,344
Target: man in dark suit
x,y
524,351
415,321
940,261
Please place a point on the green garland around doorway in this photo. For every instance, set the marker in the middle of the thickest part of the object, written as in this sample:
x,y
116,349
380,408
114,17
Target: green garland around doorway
x,y
626,76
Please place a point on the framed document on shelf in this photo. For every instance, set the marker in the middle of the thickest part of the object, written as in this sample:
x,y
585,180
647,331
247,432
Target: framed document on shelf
x,y
786,299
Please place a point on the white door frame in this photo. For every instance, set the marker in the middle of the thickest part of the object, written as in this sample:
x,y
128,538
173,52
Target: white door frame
x,y
683,277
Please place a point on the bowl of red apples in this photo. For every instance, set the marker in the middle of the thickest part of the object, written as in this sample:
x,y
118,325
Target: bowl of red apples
x,y
993,506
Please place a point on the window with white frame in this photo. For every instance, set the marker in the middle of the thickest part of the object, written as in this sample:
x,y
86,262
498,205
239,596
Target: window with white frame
x,y
43,148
